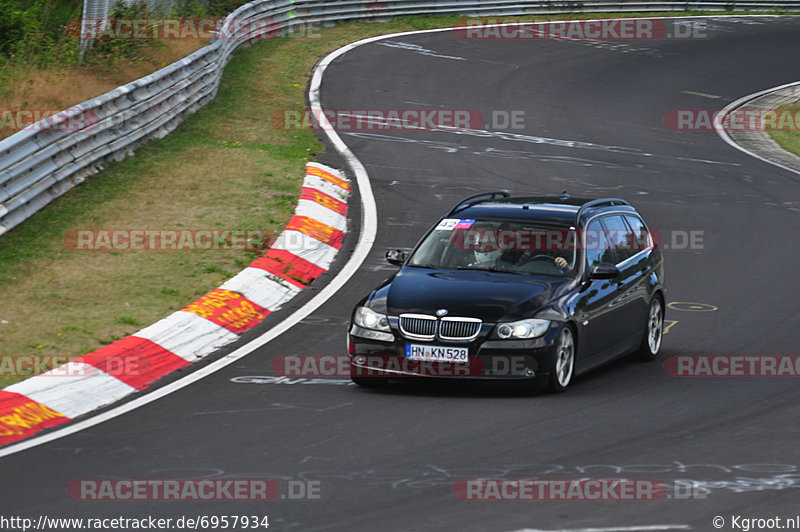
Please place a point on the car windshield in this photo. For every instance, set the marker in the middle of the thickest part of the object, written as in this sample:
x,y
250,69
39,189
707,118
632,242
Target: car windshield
x,y
497,245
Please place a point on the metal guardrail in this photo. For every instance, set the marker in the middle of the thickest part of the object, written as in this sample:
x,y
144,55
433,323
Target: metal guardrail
x,y
48,158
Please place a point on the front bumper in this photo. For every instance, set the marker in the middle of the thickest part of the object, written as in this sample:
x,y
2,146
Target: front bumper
x,y
487,359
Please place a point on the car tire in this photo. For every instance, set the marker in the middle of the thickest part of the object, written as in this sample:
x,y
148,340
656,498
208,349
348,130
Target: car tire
x,y
370,382
653,331
563,368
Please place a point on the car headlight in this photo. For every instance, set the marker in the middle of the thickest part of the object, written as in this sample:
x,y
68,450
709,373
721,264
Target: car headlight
x,y
523,329
369,319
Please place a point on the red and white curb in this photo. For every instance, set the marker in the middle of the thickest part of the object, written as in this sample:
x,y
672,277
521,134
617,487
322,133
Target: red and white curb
x,y
303,252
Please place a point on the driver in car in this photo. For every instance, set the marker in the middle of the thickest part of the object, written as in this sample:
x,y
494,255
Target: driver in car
x,y
487,254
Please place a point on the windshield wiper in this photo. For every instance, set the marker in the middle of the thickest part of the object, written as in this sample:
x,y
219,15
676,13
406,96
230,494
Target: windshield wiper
x,y
484,269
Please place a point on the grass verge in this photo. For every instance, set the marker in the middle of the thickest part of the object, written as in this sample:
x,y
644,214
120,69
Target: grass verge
x,y
786,130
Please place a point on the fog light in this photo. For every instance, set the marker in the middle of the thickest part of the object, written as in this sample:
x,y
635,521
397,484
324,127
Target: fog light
x,y
360,360
529,372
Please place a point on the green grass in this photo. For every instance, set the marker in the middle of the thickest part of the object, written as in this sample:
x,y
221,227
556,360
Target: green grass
x,y
788,135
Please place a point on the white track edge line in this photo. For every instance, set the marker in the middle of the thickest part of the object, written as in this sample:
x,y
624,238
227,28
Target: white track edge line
x,y
720,129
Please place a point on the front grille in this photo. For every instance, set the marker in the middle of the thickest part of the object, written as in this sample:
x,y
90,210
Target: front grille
x,y
418,326
459,328
424,327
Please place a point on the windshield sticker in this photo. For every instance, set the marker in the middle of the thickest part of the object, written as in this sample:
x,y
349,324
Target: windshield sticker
x,y
464,224
448,224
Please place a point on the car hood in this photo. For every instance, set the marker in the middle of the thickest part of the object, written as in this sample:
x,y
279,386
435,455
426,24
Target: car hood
x,y
490,296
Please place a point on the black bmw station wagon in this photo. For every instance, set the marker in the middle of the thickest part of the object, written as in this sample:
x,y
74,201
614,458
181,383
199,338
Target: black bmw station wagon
x,y
537,288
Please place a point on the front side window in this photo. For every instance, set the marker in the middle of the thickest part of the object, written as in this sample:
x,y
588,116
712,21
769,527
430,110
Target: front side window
x,y
598,248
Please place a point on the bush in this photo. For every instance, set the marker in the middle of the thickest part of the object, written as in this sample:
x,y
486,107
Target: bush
x,y
204,8
36,31
44,32
220,8
15,24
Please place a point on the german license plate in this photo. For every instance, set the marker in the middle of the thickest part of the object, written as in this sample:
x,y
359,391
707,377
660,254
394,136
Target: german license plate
x,y
437,353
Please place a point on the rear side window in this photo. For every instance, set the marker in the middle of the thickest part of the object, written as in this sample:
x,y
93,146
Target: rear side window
x,y
640,232
621,237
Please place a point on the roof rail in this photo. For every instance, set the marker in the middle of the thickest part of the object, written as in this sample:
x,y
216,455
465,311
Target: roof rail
x,y
595,203
467,202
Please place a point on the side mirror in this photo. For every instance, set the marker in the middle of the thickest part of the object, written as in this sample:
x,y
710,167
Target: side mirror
x,y
604,271
396,256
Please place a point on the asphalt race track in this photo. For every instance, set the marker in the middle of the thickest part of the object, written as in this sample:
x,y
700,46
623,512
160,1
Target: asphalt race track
x,y
593,124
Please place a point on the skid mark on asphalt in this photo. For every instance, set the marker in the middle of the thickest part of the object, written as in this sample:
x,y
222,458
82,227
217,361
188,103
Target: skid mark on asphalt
x,y
272,379
452,147
416,48
502,135
618,47
702,94
643,528
699,479
277,406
